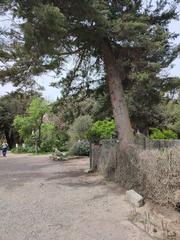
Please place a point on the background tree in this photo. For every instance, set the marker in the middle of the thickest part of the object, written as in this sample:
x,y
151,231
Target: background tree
x,y
95,103
125,39
173,117
146,100
13,104
30,126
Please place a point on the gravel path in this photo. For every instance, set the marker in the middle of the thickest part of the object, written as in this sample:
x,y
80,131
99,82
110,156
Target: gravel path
x,y
45,200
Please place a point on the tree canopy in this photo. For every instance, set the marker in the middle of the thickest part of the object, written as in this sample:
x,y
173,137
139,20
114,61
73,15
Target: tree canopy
x,y
11,105
127,42
173,110
31,125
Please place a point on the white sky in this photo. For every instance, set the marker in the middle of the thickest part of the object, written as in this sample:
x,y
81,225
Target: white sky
x,y
52,93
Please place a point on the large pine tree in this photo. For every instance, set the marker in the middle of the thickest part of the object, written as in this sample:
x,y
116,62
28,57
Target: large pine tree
x,y
129,39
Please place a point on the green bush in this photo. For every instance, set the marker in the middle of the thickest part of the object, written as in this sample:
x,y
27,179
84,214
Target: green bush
x,y
157,134
48,137
63,147
79,128
31,149
26,149
46,146
61,142
169,134
54,139
81,148
101,130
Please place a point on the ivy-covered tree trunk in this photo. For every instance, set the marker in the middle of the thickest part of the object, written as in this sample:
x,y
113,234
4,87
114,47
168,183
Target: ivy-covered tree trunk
x,y
119,106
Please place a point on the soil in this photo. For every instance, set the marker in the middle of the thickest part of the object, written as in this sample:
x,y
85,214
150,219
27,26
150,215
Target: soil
x,y
45,200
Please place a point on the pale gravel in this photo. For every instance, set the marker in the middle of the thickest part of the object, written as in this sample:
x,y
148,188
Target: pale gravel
x,y
45,200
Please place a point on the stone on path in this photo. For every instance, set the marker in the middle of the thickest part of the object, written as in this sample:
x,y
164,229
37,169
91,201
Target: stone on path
x,y
90,170
177,200
134,198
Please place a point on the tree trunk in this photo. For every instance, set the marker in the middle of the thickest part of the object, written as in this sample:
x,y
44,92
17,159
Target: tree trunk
x,y
9,138
119,106
39,132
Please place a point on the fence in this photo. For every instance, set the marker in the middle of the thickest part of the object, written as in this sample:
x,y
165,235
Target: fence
x,y
155,174
141,141
146,143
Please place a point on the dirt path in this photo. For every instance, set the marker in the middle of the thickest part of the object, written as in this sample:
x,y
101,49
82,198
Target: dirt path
x,y
45,200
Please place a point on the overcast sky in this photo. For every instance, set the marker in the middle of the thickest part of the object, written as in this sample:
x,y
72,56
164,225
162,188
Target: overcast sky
x,y
51,93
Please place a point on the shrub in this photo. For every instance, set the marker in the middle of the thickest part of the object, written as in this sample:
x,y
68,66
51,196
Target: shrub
x,y
157,134
48,137
31,149
46,146
79,128
101,130
81,148
26,149
169,134
61,142
63,147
